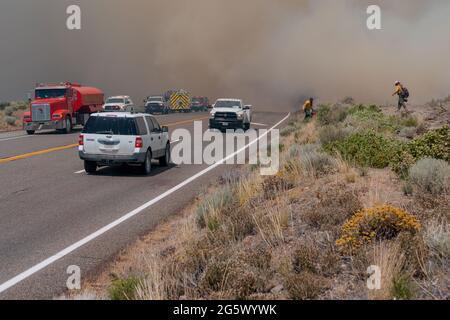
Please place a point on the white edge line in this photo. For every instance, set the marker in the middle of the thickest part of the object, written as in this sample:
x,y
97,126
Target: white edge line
x,y
15,138
83,171
24,275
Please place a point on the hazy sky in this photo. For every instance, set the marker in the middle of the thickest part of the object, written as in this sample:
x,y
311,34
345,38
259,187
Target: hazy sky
x,y
269,52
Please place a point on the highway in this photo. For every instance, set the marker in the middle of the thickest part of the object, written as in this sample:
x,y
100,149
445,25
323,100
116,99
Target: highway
x,y
53,215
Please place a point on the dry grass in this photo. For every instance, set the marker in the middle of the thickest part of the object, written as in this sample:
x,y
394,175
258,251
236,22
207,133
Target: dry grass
x,y
307,134
348,172
335,205
435,265
305,285
271,222
389,257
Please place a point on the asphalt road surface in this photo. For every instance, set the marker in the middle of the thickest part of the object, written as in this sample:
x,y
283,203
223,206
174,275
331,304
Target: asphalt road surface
x,y
53,215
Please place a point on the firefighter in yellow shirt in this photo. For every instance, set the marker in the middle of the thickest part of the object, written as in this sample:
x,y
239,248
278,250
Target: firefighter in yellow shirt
x,y
403,95
308,108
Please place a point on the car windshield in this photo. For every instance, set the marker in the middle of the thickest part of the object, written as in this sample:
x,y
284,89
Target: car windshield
x,y
111,125
227,104
50,93
115,100
197,100
160,99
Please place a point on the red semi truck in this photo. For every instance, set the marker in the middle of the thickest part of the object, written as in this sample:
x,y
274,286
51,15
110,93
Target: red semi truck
x,y
61,106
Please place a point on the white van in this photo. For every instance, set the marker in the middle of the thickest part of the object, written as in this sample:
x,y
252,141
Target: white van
x,y
115,138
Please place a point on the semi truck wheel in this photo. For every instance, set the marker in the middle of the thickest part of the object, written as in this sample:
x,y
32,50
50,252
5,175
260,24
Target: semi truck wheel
x,y
68,128
30,132
90,167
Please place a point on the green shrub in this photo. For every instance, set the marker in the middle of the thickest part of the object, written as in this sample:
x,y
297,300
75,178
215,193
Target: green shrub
x,y
365,109
434,144
313,160
348,100
330,134
409,121
403,288
367,148
10,120
401,161
327,115
9,111
431,176
371,117
407,188
123,289
19,105
408,132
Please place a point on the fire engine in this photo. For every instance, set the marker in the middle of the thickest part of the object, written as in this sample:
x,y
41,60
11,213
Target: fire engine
x,y
61,106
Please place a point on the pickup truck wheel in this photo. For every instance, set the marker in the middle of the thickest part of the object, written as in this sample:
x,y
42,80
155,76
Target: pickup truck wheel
x,y
146,167
90,167
30,132
246,126
165,160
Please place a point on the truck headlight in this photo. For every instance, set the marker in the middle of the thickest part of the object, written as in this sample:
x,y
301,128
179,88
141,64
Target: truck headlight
x,y
240,116
212,115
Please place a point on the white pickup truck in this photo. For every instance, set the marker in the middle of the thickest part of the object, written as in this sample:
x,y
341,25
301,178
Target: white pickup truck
x,y
230,114
118,103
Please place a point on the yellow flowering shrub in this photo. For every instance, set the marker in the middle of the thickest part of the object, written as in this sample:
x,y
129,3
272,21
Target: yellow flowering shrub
x,y
377,223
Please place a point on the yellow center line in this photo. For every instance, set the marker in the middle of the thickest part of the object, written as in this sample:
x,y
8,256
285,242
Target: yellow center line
x,y
183,122
70,146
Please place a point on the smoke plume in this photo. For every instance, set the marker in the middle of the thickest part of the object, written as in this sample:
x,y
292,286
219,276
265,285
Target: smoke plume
x,y
270,53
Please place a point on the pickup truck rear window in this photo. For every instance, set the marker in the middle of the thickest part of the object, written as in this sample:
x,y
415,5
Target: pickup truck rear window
x,y
111,125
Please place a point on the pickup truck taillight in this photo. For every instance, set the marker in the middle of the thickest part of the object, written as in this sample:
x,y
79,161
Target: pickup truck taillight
x,y
139,143
81,140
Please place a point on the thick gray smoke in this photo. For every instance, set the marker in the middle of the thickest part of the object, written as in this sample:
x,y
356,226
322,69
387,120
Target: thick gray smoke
x,y
268,52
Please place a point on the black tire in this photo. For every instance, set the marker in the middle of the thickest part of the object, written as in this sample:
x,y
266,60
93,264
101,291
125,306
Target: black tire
x,y
165,160
146,167
90,167
68,128
30,132
246,126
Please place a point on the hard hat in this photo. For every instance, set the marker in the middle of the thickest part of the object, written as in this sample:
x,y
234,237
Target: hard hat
x,y
397,83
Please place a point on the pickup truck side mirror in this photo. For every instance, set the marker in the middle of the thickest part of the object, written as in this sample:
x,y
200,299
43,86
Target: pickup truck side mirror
x,y
165,129
247,107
